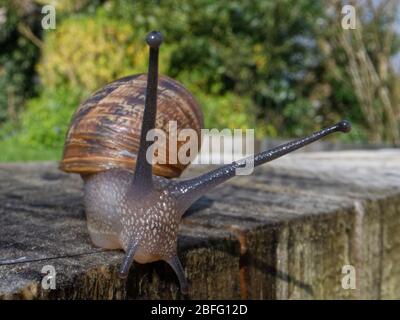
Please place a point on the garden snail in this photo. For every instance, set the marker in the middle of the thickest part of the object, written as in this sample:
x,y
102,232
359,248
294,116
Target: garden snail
x,y
127,206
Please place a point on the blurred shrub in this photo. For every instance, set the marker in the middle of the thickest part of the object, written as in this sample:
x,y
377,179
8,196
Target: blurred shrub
x,y
251,64
228,110
258,50
18,56
42,127
46,119
87,52
81,55
71,6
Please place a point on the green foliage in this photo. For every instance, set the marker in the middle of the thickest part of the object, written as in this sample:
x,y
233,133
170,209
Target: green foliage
x,y
88,52
257,50
11,151
228,110
81,55
42,127
17,58
46,119
250,64
66,7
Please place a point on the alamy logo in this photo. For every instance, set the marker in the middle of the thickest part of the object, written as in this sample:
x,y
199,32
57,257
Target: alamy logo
x,y
218,147
49,280
49,20
349,280
349,19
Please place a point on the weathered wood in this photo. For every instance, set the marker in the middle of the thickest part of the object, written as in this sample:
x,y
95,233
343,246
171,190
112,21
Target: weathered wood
x,y
284,232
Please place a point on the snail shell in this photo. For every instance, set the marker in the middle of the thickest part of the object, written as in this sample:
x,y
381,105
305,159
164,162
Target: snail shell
x,y
105,130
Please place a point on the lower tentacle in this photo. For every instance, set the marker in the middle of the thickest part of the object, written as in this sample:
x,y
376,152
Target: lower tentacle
x,y
128,259
177,267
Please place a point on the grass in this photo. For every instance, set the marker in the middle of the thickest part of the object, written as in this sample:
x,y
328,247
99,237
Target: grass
x,y
10,151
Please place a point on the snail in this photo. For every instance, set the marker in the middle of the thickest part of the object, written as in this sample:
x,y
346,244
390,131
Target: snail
x,y
131,203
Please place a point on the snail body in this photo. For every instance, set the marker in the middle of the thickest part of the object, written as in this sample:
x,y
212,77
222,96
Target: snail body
x,y
116,212
131,203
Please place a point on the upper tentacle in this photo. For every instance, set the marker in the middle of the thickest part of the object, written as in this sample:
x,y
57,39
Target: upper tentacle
x,y
143,170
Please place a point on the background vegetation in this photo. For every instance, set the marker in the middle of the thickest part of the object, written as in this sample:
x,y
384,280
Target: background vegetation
x,y
283,67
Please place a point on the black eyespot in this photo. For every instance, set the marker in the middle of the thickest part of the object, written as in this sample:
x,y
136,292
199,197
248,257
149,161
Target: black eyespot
x,y
344,126
154,39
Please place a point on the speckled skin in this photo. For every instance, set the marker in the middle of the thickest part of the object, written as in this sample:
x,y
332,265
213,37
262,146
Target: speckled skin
x,y
118,213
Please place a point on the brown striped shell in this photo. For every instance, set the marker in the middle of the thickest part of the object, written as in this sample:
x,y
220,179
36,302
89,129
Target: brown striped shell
x,y
105,130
